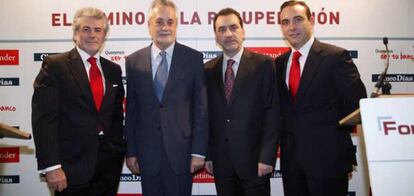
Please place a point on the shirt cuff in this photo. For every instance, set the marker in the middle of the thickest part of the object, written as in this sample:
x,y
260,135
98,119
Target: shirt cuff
x,y
199,156
48,169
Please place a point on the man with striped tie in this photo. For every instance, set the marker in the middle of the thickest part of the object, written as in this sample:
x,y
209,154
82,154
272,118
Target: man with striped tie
x,y
243,114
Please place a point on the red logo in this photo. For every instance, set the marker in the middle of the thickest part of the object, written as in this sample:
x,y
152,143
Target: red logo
x,y
9,155
7,108
203,177
273,52
9,57
393,126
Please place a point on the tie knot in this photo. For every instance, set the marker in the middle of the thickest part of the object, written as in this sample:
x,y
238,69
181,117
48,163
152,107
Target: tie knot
x,y
92,60
230,62
163,54
296,55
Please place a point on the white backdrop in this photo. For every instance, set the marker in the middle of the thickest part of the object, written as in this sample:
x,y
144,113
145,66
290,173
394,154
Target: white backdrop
x,y
32,29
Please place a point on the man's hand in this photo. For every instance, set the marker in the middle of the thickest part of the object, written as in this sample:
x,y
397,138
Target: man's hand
x,y
196,163
56,180
263,169
132,164
209,167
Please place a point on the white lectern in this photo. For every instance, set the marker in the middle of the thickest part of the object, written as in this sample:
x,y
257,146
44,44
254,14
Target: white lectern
x,y
388,129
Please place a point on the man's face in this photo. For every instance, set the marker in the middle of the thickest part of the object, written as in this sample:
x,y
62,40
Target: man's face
x,y
229,34
163,26
296,27
90,36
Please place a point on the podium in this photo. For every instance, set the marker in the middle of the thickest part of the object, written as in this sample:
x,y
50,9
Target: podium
x,y
11,132
388,129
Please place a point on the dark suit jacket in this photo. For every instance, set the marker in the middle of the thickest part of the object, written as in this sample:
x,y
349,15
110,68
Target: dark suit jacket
x,y
179,123
243,132
329,89
64,117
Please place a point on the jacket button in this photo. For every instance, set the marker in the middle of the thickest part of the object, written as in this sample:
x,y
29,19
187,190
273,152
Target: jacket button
x,y
228,120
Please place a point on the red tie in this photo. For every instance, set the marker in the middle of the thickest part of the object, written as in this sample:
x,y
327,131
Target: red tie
x,y
95,79
294,74
229,79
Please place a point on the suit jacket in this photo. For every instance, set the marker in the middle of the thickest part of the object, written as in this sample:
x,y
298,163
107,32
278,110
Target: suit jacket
x,y
329,89
65,119
243,132
178,123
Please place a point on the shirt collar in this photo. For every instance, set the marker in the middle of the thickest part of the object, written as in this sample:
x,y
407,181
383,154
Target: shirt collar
x,y
155,51
85,56
236,57
305,48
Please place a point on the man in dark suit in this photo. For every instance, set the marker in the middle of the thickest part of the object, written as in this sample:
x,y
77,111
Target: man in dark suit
x,y
166,118
319,84
77,114
243,117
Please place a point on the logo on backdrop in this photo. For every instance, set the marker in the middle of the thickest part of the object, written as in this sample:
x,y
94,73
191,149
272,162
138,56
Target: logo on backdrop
x,y
353,54
273,52
130,178
389,126
13,179
41,56
9,57
276,174
395,77
203,177
395,55
7,108
208,55
9,81
352,193
115,56
9,155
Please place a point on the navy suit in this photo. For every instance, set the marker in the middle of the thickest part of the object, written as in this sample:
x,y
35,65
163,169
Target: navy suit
x,y
244,131
65,120
165,134
314,149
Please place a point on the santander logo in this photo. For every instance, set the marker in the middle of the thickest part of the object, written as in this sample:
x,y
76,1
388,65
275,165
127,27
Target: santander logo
x,y
9,57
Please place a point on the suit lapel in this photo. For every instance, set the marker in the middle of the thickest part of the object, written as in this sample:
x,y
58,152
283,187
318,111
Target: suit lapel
x,y
79,73
283,72
177,64
243,72
311,66
218,78
108,84
146,65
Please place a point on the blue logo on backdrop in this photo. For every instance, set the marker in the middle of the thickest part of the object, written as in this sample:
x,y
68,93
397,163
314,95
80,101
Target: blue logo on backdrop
x,y
395,78
353,193
207,55
41,56
353,54
10,179
9,81
130,178
276,174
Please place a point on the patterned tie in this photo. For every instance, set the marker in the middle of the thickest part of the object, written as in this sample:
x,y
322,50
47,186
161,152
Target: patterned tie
x,y
96,83
294,74
161,76
229,79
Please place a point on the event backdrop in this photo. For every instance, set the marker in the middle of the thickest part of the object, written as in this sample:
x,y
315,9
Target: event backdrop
x,y
31,30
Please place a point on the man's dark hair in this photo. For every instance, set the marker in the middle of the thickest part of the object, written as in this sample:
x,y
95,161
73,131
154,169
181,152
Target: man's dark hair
x,y
293,2
226,12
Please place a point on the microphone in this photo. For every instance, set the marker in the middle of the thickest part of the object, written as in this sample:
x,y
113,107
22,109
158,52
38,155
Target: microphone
x,y
380,83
